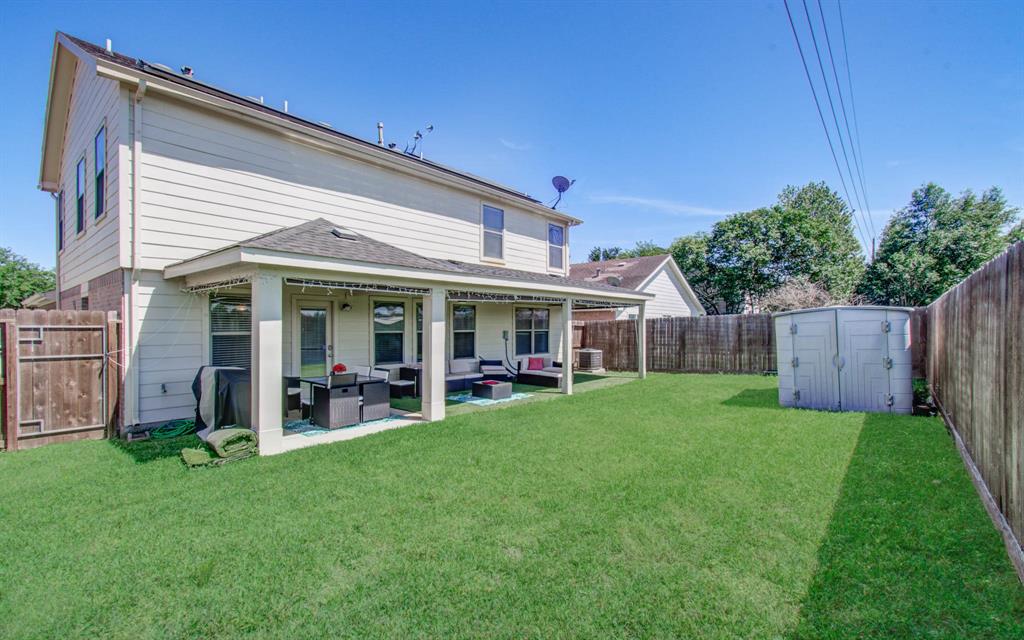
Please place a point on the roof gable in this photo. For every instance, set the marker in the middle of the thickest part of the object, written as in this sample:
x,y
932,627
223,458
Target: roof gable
x,y
64,62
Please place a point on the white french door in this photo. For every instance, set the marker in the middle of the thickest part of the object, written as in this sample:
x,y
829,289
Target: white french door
x,y
314,350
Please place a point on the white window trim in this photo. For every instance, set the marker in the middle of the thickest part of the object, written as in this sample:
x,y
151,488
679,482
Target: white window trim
x,y
405,331
532,331
452,332
565,246
484,231
62,242
85,196
106,173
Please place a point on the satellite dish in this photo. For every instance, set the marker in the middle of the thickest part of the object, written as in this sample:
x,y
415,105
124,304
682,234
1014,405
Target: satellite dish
x,y
561,185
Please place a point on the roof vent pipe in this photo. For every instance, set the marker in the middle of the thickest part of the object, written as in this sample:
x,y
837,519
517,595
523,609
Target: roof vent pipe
x,y
286,106
380,134
110,46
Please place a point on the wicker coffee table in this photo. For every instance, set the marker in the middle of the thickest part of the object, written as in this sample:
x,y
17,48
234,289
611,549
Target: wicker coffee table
x,y
492,390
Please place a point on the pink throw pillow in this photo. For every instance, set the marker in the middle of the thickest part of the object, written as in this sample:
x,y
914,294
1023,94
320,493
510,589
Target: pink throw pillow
x,y
535,364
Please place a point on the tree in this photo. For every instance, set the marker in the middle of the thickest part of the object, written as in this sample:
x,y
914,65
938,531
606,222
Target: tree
x,y
691,255
643,248
20,278
935,242
797,293
835,260
597,254
1016,234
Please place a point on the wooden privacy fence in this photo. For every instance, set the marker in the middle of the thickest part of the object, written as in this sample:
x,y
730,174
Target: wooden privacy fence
x,y
700,344
59,374
975,367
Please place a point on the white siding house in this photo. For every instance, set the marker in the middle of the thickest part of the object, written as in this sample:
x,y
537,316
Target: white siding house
x,y
658,276
216,204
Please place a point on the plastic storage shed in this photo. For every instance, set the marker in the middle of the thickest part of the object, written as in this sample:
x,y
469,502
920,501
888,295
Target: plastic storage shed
x,y
845,359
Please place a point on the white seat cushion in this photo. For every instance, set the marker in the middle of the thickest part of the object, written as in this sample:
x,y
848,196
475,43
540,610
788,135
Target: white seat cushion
x,y
472,376
463,366
553,369
491,369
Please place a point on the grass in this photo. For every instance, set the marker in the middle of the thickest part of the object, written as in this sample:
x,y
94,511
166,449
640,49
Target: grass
x,y
677,506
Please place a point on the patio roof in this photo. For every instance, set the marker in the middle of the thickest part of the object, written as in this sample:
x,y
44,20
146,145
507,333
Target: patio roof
x,y
321,245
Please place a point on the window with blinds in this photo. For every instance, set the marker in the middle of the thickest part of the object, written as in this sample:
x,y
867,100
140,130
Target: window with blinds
x,y
532,330
388,332
463,331
231,331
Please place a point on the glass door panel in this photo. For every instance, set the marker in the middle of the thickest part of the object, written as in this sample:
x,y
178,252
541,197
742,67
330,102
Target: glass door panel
x,y
314,340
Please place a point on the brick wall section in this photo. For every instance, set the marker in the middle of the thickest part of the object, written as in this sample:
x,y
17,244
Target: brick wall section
x,y
70,298
105,292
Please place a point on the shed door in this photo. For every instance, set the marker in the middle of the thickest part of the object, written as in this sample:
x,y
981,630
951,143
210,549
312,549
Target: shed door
x,y
863,349
815,379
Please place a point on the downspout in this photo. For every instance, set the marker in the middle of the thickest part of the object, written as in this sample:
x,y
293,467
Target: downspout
x,y
136,239
56,231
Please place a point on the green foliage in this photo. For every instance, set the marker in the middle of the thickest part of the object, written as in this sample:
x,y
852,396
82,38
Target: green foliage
x,y
680,506
1016,234
691,255
643,248
20,278
598,254
935,242
807,234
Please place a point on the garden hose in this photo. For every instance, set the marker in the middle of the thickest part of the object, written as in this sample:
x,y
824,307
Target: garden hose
x,y
173,429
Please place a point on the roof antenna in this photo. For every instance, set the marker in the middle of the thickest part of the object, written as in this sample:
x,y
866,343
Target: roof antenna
x,y
561,185
416,148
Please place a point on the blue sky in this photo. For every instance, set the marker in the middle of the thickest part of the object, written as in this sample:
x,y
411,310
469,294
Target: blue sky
x,y
669,116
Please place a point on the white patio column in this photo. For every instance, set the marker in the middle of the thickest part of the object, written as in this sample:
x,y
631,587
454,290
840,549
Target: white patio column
x,y
567,346
432,384
641,341
266,380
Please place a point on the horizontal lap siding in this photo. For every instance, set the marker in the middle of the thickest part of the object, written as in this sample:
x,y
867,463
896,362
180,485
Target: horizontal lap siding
x,y
171,327
209,181
668,297
94,102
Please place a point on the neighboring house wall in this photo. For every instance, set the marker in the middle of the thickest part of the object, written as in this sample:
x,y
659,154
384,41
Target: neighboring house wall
x,y
669,297
209,180
95,103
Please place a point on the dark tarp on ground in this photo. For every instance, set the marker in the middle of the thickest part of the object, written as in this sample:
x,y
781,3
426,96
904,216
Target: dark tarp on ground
x,y
224,396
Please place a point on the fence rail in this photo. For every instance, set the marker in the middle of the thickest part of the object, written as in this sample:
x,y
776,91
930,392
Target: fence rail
x,y
701,344
975,367
59,383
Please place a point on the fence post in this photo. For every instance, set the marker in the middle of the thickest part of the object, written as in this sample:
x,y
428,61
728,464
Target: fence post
x,y
112,373
10,399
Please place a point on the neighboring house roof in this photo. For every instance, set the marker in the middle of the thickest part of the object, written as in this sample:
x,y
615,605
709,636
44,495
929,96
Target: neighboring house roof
x,y
40,300
162,72
634,274
630,272
317,238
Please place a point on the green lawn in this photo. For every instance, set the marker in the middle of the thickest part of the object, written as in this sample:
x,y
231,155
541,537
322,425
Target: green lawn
x,y
677,506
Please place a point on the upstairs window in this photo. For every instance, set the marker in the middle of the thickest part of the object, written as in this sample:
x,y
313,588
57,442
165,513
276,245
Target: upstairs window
x,y
463,331
231,331
100,160
532,331
80,197
556,247
60,221
494,232
388,332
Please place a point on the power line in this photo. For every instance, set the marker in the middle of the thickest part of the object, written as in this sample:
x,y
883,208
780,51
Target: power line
x,y
821,116
835,118
853,109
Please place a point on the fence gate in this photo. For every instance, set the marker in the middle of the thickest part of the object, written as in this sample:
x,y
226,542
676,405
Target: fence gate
x,y
59,376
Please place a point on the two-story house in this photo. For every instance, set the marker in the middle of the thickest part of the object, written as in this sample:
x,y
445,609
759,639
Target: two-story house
x,y
227,232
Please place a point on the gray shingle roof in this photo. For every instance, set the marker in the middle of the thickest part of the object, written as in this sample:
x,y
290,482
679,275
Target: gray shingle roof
x,y
631,271
317,238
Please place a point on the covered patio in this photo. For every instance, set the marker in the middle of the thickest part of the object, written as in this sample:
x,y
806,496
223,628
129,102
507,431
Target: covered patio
x,y
347,299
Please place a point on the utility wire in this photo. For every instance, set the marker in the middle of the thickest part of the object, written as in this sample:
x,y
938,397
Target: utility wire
x,y
835,118
821,116
853,109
